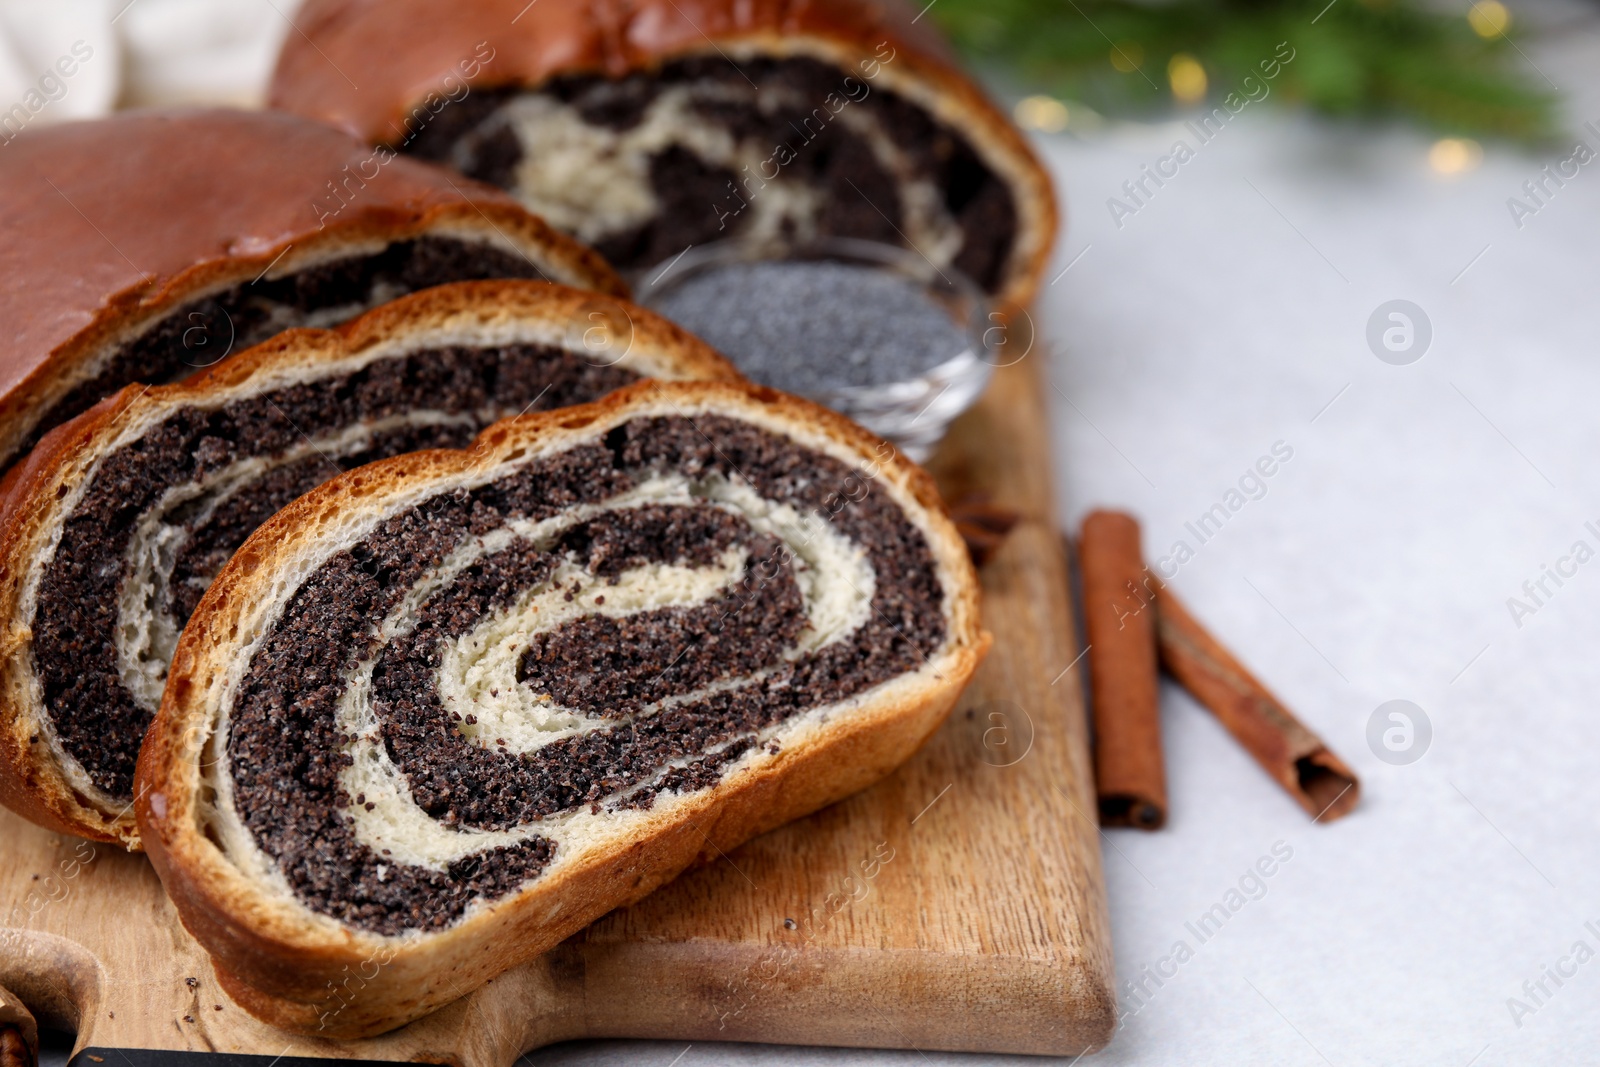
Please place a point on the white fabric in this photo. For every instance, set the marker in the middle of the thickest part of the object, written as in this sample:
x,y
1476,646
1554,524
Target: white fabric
x,y
143,52
35,37
1224,316
214,51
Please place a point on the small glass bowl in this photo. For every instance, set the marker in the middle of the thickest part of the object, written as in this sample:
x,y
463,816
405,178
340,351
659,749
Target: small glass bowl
x,y
913,414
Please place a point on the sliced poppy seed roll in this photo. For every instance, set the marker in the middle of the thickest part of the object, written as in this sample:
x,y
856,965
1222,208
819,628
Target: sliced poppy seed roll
x,y
148,246
449,708
647,126
112,529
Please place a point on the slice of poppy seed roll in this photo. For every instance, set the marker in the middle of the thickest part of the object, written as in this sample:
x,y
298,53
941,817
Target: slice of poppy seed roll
x,y
447,709
147,246
113,527
646,126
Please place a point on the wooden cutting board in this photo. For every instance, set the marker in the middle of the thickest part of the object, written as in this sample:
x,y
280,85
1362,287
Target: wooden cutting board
x,y
956,905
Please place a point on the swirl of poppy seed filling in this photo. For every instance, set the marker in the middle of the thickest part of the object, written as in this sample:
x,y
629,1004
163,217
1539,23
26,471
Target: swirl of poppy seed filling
x,y
163,513
201,332
653,604
703,148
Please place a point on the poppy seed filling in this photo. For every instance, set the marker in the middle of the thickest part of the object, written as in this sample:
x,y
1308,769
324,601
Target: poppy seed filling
x,y
709,148
437,708
163,513
202,332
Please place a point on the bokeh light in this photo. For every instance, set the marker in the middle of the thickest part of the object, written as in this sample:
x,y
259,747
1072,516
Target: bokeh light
x,y
1454,155
1126,56
1188,78
1489,18
1043,113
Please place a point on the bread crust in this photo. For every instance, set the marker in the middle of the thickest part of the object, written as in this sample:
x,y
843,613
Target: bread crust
x,y
280,960
422,43
36,495
200,201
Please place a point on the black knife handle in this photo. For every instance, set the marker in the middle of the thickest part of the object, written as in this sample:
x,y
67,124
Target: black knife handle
x,y
144,1057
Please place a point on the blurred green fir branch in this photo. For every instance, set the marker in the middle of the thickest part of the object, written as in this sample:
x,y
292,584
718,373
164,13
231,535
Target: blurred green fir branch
x,y
1360,58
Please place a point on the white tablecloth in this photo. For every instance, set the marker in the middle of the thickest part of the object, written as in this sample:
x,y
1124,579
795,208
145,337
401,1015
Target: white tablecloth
x,y
1225,317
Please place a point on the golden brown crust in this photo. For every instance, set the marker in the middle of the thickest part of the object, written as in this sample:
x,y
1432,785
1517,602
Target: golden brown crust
x,y
195,202
279,959
400,51
36,492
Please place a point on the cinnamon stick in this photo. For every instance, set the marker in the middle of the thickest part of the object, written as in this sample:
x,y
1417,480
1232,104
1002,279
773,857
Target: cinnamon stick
x,y
982,524
1294,756
1120,624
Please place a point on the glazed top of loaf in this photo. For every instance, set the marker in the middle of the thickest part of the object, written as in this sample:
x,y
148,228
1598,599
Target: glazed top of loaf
x,y
424,43
102,216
